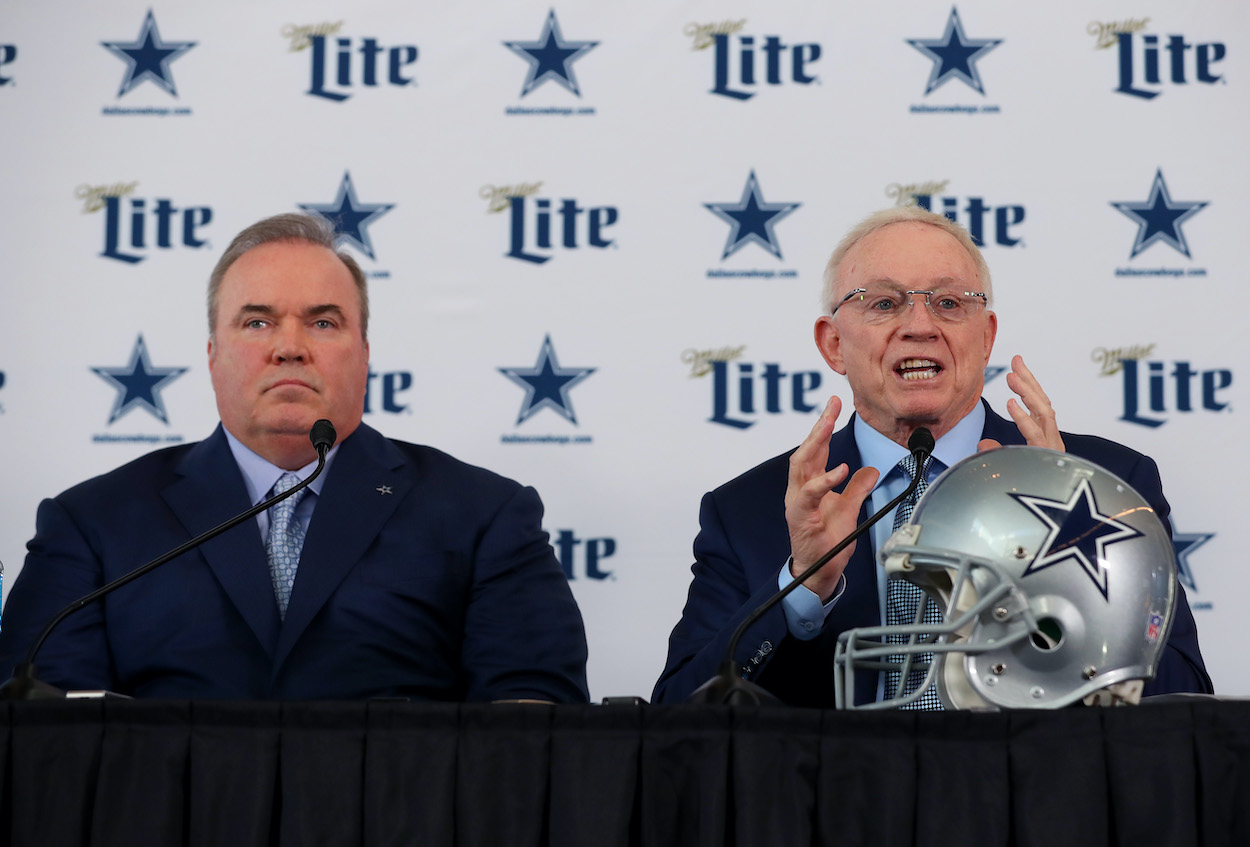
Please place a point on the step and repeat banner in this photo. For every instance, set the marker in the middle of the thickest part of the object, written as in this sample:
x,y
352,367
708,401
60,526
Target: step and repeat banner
x,y
594,235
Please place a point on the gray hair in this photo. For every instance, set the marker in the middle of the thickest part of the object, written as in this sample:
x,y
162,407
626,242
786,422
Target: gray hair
x,y
313,229
895,215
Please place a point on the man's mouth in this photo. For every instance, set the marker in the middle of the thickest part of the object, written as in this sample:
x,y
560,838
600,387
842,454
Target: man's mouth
x,y
913,369
290,383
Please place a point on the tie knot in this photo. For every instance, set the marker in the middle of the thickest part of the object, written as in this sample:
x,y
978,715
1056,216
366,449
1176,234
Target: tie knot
x,y
285,483
908,465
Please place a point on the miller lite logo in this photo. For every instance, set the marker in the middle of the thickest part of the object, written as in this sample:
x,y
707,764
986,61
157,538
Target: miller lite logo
x,y
986,223
742,390
540,226
340,65
1147,64
743,62
135,225
1154,390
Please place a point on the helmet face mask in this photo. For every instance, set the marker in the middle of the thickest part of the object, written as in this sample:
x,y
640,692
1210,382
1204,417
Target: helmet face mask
x,y
1056,580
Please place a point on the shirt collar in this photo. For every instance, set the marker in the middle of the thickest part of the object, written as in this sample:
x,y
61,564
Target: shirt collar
x,y
260,474
877,451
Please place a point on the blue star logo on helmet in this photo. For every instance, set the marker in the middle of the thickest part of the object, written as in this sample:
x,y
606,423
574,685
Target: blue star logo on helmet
x,y
1159,218
139,384
350,217
550,57
148,57
954,55
751,219
1077,532
546,384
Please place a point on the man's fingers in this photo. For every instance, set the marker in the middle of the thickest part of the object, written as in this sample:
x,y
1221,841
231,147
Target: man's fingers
x,y
811,456
818,486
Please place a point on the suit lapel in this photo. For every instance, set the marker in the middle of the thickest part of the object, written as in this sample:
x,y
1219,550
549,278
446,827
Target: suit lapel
x,y
364,487
210,490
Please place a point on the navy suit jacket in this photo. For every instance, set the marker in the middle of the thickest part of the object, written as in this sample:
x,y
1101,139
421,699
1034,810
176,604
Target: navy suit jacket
x,y
420,577
743,542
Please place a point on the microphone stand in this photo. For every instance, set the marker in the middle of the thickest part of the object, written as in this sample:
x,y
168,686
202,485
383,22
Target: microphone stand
x,y
26,685
727,686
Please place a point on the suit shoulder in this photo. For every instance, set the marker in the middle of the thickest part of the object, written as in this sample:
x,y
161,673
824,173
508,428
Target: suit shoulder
x,y
1112,455
431,462
769,474
146,473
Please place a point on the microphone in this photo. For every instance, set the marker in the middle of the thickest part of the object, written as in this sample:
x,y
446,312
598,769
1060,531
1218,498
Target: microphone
x,y
323,436
26,685
728,687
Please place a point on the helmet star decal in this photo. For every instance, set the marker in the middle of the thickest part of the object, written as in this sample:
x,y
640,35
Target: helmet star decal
x,y
1078,531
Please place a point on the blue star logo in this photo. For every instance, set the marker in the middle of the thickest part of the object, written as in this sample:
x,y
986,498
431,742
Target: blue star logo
x,y
139,384
550,58
1078,532
546,384
350,217
1186,543
1159,218
954,55
992,372
751,220
148,57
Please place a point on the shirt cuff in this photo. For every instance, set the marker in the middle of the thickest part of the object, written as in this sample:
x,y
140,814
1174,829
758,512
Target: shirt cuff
x,y
805,614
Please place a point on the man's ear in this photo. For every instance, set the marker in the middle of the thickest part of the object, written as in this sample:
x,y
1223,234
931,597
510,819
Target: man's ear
x,y
829,343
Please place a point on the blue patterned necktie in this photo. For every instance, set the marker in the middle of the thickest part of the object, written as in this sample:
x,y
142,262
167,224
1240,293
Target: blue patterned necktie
x,y
286,540
902,599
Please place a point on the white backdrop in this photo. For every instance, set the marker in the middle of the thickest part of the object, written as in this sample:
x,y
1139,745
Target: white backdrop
x,y
694,163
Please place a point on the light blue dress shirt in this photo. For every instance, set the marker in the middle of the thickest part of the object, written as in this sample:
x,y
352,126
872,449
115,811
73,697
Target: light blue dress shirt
x,y
260,475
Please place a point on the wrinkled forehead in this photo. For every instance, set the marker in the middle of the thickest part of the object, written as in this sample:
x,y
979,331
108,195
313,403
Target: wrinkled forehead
x,y
908,255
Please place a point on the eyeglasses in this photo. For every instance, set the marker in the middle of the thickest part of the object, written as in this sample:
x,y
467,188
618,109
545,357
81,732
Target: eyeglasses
x,y
880,305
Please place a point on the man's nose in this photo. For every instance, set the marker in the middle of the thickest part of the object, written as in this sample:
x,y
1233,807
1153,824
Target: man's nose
x,y
918,317
290,343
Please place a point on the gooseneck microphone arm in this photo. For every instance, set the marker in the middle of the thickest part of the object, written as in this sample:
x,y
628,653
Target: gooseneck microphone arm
x,y
728,686
25,684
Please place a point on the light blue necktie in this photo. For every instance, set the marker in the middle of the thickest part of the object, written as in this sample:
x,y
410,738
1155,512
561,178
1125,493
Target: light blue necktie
x,y
902,599
286,539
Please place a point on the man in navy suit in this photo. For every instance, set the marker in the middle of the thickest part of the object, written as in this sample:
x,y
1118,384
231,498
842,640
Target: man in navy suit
x,y
419,576
907,321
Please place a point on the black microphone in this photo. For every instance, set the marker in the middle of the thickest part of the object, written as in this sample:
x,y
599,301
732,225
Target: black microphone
x,y
26,685
728,687
323,436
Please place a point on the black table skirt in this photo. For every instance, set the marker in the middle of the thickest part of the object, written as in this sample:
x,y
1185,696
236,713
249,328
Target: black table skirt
x,y
139,773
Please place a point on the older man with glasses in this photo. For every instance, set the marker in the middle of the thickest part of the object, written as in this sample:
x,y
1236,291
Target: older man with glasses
x,y
907,295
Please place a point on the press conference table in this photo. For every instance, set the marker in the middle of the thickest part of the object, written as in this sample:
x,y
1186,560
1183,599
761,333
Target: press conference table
x,y
118,772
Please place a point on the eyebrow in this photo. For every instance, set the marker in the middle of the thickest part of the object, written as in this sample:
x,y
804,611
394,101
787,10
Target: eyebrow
x,y
893,283
311,312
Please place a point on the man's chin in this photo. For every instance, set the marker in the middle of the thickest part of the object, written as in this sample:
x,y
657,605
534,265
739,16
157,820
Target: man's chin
x,y
291,421
934,410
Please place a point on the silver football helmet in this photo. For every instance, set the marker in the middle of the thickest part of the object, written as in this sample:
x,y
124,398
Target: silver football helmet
x,y
1056,580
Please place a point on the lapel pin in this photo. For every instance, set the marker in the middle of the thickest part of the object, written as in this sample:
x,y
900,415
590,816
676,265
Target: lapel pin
x,y
383,489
